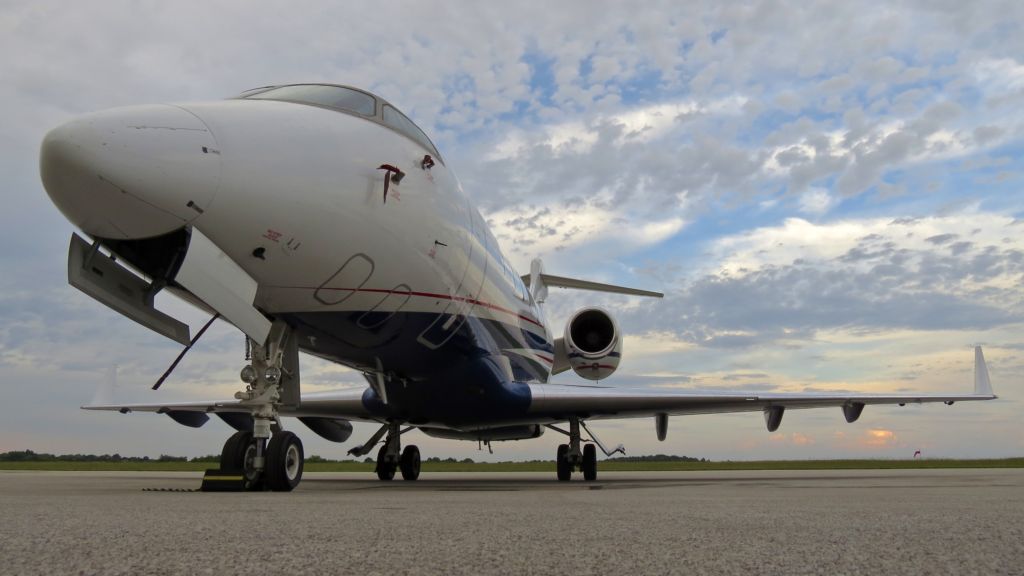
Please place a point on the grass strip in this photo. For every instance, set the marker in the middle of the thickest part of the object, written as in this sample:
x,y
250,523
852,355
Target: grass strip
x,y
540,466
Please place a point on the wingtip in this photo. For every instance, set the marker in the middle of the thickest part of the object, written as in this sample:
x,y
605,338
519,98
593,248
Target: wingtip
x,y
982,382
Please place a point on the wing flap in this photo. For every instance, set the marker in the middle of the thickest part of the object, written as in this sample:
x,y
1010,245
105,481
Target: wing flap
x,y
347,404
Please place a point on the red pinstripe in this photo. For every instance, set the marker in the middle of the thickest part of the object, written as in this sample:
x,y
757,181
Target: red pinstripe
x,y
424,295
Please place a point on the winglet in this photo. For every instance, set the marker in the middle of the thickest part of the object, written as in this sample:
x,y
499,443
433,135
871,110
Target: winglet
x,y
982,384
104,393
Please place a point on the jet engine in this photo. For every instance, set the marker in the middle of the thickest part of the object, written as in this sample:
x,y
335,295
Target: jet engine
x,y
592,344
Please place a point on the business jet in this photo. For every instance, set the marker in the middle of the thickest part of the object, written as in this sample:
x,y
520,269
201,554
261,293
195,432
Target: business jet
x,y
319,218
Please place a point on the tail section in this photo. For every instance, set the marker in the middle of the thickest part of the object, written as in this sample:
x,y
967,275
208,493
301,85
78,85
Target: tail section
x,y
982,384
539,282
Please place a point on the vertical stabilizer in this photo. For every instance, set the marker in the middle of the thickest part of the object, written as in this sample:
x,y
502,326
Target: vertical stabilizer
x,y
982,384
538,288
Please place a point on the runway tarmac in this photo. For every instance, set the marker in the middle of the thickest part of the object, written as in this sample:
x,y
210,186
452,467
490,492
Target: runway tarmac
x,y
770,522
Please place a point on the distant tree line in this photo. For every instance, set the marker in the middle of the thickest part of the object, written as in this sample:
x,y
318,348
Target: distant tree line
x,y
30,456
657,458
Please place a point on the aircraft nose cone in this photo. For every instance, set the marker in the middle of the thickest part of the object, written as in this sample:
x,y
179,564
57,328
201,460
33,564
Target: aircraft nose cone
x,y
131,172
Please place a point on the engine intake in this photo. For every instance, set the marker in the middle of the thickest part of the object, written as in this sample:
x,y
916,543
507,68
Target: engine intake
x,y
592,343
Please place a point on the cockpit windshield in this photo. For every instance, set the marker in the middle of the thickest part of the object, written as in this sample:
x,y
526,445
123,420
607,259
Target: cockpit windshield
x,y
322,95
345,100
398,121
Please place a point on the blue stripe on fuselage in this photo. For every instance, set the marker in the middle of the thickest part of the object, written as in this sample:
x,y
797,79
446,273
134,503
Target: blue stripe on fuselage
x,y
435,375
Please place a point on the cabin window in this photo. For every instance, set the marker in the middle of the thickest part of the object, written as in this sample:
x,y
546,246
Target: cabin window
x,y
322,95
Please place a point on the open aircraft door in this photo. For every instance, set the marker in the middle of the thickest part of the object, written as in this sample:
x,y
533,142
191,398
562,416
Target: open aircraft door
x,y
205,271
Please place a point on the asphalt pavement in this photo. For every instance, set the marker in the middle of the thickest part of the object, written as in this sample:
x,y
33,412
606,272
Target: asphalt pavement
x,y
771,522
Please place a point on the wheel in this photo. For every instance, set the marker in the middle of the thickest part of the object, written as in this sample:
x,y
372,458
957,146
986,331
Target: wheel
x,y
232,456
239,454
590,462
385,470
410,463
285,461
562,463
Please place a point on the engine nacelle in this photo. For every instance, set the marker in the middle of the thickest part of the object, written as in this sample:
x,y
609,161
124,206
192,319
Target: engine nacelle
x,y
592,343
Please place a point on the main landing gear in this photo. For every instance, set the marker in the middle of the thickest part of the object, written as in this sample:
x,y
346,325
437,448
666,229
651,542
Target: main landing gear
x,y
267,457
390,457
570,457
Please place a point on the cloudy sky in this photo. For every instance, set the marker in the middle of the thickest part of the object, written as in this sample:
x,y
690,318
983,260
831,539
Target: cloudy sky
x,y
828,193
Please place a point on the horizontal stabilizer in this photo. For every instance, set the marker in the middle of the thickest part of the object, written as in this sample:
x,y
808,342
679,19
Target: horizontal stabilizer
x,y
563,282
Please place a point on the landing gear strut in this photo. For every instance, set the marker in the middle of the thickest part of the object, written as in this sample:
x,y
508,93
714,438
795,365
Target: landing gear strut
x,y
268,456
390,457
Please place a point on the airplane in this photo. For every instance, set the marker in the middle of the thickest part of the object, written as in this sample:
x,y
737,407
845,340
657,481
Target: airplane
x,y
319,218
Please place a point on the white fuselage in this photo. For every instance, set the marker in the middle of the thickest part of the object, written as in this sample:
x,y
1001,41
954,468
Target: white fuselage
x,y
294,194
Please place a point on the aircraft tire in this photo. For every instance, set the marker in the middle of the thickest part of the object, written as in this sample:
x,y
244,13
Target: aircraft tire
x,y
410,463
285,461
385,470
562,463
232,456
238,454
589,463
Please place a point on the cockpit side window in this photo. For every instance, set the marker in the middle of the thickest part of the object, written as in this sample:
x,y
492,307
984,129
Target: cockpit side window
x,y
347,100
322,95
398,121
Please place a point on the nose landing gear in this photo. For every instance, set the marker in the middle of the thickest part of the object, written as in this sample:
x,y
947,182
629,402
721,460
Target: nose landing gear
x,y
268,457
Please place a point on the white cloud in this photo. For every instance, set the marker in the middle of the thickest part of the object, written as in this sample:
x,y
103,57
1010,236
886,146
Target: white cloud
x,y
526,232
816,201
642,124
798,239
1000,75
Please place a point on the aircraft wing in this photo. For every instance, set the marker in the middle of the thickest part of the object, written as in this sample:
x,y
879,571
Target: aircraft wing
x,y
341,404
555,402
593,402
